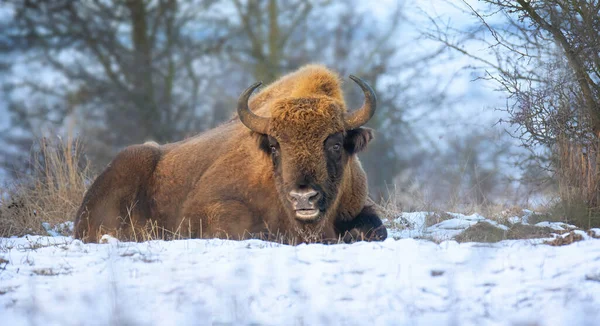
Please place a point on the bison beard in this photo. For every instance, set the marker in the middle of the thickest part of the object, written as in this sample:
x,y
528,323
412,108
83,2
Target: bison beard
x,y
302,179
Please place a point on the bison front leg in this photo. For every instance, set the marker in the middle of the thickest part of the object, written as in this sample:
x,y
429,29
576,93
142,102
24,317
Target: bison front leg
x,y
224,219
366,226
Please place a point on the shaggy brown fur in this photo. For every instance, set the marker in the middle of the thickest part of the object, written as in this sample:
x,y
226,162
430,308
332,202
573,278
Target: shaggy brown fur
x,y
233,182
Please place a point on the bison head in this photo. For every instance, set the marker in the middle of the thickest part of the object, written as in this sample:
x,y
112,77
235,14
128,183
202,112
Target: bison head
x,y
310,140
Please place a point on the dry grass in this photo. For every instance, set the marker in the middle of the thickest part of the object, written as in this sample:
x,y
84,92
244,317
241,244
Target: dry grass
x,y
436,217
152,231
485,232
393,206
50,192
565,239
397,202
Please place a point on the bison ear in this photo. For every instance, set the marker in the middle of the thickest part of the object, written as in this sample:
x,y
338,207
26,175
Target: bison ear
x,y
357,139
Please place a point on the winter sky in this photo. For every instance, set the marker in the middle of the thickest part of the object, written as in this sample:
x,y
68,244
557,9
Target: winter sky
x,y
473,100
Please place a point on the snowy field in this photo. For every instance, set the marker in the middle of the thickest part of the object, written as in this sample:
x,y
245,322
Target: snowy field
x,y
59,281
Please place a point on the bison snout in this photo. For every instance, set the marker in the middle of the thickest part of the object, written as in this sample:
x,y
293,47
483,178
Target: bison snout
x,y
304,202
304,198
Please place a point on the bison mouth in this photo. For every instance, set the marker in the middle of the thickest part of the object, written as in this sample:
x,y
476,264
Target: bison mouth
x,y
307,215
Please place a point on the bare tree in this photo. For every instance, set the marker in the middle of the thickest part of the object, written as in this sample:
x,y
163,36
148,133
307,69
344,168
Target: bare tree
x,y
126,71
546,56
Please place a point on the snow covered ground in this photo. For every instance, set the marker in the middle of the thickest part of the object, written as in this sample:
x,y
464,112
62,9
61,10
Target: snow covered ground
x,y
59,281
414,225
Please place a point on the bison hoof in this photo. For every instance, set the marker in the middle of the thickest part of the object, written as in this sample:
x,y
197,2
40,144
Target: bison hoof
x,y
357,234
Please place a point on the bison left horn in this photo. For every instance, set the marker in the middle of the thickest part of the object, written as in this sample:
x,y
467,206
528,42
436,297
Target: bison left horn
x,y
363,115
249,119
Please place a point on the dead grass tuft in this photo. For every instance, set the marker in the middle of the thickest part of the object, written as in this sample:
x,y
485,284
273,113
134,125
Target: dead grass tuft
x,y
151,231
564,240
527,231
486,232
436,217
50,192
50,271
481,232
574,211
593,233
386,209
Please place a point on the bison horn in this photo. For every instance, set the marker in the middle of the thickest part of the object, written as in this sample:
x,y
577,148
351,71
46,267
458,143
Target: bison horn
x,y
249,119
363,115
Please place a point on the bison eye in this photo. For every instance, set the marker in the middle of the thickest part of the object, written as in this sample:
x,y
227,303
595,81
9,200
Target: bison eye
x,y
273,149
336,147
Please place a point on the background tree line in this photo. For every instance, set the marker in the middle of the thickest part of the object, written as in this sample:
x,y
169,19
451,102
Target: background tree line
x,y
115,73
123,72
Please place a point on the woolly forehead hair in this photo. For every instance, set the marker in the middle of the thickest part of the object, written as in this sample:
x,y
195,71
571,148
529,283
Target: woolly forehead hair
x,y
308,81
306,118
315,80
313,106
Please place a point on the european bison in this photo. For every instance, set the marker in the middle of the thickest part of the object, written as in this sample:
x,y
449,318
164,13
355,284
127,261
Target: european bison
x,y
286,167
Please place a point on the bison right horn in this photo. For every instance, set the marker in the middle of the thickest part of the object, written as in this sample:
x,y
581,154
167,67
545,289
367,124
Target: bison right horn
x,y
363,115
249,119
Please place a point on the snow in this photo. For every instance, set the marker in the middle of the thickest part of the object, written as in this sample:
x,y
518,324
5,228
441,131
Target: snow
x,y
61,281
558,226
58,229
415,225
521,219
594,232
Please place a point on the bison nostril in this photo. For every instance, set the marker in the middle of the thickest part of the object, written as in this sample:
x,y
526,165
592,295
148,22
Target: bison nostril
x,y
314,197
303,198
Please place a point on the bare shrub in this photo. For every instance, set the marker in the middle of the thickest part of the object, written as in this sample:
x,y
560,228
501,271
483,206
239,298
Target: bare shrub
x,y
50,191
545,57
